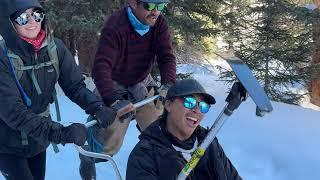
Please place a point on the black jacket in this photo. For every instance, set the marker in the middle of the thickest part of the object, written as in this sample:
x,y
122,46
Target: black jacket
x,y
15,116
155,158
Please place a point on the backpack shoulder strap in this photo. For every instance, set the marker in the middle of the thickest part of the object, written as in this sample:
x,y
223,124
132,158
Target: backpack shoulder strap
x,y
2,43
53,54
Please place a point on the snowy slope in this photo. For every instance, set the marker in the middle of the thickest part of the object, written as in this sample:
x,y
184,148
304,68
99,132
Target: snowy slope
x,y
282,145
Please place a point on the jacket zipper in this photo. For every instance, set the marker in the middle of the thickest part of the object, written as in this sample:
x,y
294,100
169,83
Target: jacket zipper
x,y
35,57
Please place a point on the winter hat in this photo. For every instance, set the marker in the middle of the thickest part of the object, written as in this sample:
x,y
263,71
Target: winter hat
x,y
187,87
156,1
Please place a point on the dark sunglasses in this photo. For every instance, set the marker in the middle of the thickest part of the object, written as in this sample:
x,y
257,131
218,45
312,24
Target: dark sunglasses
x,y
24,18
191,102
151,6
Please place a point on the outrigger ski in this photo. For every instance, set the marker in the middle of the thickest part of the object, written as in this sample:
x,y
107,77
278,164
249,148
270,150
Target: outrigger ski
x,y
251,84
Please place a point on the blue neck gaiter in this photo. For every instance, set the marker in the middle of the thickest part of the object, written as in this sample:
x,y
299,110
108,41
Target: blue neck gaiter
x,y
136,24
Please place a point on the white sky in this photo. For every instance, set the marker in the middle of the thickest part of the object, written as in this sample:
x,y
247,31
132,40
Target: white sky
x,y
283,145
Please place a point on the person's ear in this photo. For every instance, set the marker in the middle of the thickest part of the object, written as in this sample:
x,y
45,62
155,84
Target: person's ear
x,y
133,4
167,105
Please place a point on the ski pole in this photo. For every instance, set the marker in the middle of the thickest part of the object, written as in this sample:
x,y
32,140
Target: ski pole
x,y
135,106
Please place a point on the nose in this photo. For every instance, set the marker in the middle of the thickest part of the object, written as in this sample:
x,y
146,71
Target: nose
x,y
31,20
155,11
196,109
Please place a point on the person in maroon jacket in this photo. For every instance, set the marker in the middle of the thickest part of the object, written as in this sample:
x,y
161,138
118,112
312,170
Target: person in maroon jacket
x,y
132,40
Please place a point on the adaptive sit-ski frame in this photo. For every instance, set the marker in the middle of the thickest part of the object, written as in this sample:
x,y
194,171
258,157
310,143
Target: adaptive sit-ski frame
x,y
105,156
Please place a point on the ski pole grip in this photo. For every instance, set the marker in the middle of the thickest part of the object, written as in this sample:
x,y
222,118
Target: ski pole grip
x,y
146,101
228,110
91,123
136,105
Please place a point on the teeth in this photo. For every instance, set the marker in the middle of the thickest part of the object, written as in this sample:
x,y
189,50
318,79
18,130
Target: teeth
x,y
193,119
31,28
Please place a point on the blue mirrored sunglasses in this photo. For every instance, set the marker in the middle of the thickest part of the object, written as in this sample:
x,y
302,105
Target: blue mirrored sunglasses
x,y
191,102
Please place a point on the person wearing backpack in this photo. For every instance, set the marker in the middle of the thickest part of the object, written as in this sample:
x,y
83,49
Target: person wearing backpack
x,y
31,62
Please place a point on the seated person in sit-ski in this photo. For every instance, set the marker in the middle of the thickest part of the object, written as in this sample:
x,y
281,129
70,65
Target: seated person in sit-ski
x,y
168,143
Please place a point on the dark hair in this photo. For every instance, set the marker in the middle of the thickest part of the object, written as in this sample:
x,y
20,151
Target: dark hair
x,y
164,115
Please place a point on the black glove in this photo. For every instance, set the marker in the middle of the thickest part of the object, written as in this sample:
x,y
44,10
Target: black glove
x,y
237,94
112,98
105,116
119,104
75,133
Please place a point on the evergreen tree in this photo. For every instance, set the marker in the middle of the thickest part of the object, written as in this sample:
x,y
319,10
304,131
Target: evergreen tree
x,y
78,23
275,39
194,24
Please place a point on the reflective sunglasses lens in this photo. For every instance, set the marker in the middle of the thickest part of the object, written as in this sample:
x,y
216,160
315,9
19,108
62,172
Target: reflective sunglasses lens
x,y
190,102
204,107
161,6
22,19
38,16
151,6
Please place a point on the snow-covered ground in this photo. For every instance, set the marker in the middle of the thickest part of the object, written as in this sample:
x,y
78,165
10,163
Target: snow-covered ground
x,y
283,145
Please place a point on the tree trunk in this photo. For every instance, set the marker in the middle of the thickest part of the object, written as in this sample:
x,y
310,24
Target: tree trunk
x,y
315,82
86,45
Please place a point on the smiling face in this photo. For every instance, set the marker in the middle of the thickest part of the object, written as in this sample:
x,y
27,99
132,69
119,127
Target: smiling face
x,y
31,29
181,121
146,17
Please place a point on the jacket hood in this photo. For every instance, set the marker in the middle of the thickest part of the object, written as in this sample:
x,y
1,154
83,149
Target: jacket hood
x,y
7,30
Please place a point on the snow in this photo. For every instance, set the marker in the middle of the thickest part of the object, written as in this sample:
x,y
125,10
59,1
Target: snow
x,y
311,6
282,145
